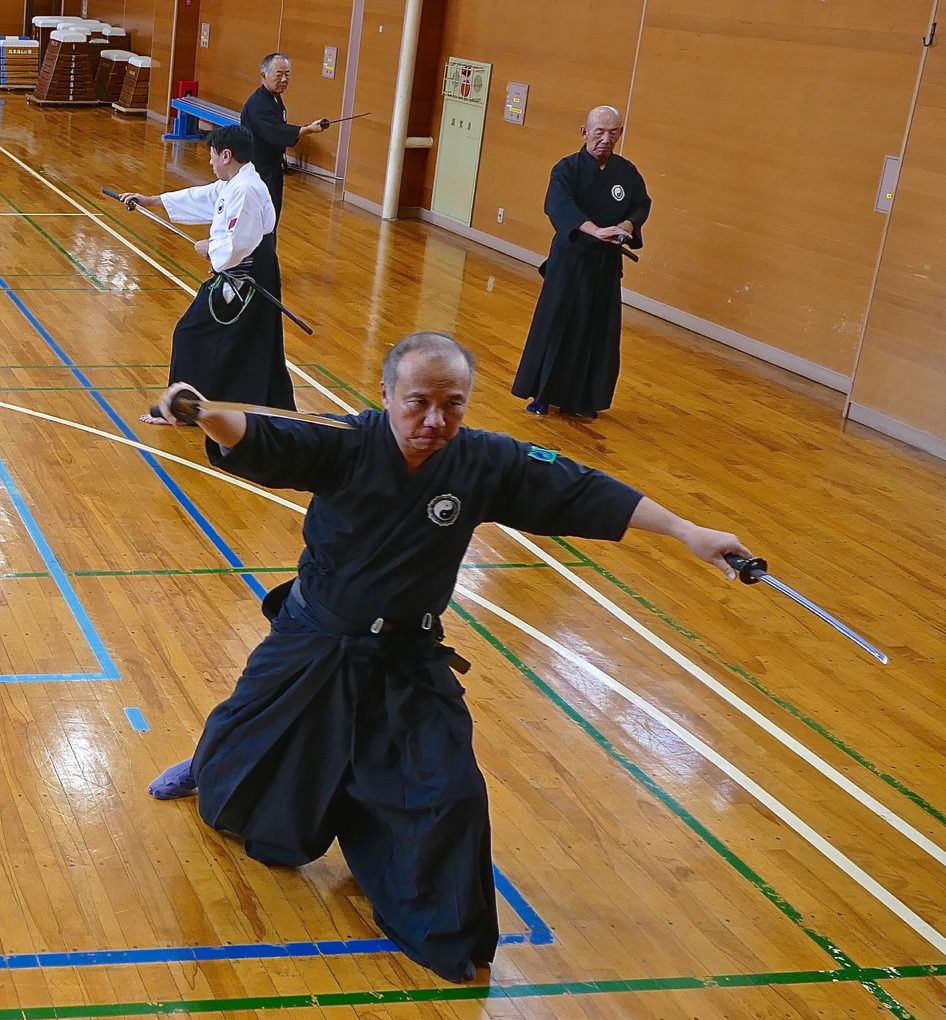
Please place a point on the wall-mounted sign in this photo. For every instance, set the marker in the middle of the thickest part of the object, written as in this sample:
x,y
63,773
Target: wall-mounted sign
x,y
205,35
516,96
329,55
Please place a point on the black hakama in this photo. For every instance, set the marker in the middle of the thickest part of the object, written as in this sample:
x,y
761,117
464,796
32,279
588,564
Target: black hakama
x,y
334,731
572,354
238,358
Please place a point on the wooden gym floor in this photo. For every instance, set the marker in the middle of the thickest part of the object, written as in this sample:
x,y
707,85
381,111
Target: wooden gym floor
x,y
706,803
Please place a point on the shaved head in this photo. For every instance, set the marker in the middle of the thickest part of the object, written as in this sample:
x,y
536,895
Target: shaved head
x,y
601,131
606,112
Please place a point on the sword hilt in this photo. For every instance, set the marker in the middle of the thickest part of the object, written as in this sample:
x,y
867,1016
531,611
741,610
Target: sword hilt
x,y
325,123
185,406
112,193
750,571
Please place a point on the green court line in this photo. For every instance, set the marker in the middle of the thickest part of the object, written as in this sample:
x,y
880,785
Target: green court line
x,y
88,274
744,674
89,290
19,575
83,389
688,819
144,242
468,993
59,364
867,977
165,364
344,386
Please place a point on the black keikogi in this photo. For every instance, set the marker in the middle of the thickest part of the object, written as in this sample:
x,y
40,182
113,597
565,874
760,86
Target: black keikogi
x,y
348,721
264,114
572,355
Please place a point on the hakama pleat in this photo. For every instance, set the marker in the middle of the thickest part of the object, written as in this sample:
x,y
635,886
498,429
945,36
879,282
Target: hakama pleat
x,y
241,360
367,740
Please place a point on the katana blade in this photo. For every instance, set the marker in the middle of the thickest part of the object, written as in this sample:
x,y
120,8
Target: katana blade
x,y
185,404
325,122
757,569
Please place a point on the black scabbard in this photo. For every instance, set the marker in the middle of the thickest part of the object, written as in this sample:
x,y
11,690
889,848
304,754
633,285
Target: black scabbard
x,y
235,282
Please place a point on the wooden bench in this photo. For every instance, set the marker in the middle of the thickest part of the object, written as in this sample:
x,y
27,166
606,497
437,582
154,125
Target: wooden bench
x,y
191,111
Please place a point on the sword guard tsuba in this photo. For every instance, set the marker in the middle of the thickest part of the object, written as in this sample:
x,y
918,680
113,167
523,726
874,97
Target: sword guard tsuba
x,y
750,571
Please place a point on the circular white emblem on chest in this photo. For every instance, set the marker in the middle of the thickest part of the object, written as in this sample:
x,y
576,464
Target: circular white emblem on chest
x,y
617,193
444,510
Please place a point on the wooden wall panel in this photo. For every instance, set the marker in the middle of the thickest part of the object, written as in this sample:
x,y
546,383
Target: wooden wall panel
x,y
307,28
16,16
162,37
377,73
110,11
183,61
11,17
761,132
569,71
139,19
425,99
901,372
241,32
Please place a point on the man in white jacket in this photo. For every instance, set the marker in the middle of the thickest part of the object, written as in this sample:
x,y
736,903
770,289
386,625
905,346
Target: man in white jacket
x,y
229,343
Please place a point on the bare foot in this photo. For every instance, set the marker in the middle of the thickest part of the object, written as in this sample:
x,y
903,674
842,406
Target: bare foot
x,y
149,419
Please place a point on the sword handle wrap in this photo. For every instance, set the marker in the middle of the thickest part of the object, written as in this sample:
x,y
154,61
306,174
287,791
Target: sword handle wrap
x,y
185,406
112,193
750,571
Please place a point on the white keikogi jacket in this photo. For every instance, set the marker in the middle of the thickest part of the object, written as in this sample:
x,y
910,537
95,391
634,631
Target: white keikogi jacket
x,y
239,212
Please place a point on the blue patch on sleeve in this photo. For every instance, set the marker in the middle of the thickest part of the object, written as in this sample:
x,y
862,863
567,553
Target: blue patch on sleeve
x,y
547,456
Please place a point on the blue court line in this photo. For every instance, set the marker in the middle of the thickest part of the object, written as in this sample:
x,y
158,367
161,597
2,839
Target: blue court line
x,y
137,720
538,934
231,558
107,669
538,931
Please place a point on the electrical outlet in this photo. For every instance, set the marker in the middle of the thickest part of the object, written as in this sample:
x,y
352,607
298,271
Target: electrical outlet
x,y
501,215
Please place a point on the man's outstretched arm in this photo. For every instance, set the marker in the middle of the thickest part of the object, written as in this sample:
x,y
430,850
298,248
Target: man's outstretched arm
x,y
707,544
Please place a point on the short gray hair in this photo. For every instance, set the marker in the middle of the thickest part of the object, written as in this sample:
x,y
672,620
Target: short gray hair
x,y
424,343
267,62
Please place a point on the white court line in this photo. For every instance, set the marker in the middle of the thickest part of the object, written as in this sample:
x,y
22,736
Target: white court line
x,y
163,454
151,262
814,839
852,870
786,739
98,220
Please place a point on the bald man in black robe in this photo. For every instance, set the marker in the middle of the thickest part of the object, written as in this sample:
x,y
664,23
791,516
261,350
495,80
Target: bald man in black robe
x,y
595,198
